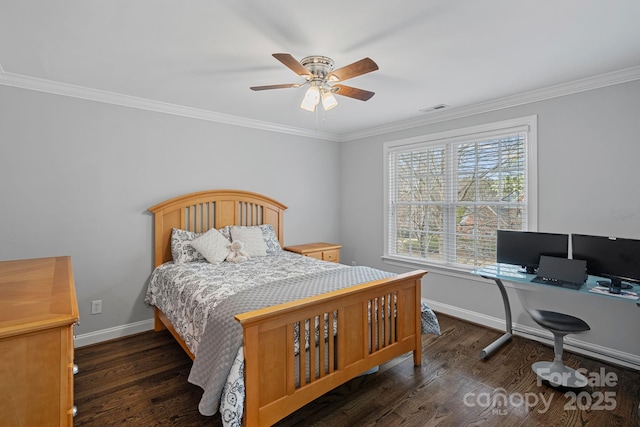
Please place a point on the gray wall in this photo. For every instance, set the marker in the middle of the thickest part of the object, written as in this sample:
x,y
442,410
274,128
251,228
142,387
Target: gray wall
x,y
588,152
77,176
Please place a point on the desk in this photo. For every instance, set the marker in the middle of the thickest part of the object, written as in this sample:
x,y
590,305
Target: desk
x,y
513,273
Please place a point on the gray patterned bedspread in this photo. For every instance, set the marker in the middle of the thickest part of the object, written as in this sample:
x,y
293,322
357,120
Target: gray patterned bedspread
x,y
223,336
187,293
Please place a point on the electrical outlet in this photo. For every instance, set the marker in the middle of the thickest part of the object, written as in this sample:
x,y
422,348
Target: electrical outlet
x,y
96,306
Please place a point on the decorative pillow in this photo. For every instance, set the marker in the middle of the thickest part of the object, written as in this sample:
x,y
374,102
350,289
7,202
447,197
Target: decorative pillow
x,y
270,238
226,232
252,238
213,246
268,234
181,248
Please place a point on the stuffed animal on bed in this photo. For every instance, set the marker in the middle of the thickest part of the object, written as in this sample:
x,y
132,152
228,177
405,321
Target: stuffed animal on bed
x,y
237,254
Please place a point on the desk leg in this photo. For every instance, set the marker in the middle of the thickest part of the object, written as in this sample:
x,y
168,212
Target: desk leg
x,y
488,350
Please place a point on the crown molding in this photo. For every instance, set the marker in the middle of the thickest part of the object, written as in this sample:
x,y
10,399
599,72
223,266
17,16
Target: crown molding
x,y
65,89
576,86
81,92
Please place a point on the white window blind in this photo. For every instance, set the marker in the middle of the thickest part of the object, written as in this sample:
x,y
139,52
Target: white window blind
x,y
446,197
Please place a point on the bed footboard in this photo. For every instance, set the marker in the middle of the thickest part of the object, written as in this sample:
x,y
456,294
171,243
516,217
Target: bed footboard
x,y
370,324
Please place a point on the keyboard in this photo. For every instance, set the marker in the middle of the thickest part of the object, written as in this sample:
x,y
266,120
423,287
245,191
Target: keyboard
x,y
557,282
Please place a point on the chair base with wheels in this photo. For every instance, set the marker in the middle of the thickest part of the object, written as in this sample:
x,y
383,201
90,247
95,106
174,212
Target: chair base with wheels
x,y
556,372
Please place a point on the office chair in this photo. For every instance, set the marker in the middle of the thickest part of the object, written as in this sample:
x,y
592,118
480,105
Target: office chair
x,y
556,372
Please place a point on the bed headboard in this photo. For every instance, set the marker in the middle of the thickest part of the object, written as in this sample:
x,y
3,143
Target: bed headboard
x,y
198,212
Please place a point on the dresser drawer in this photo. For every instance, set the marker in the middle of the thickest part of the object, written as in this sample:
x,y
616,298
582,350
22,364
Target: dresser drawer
x,y
332,255
317,255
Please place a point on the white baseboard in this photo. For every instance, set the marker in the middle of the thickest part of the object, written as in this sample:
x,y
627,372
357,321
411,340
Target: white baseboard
x,y
541,335
112,333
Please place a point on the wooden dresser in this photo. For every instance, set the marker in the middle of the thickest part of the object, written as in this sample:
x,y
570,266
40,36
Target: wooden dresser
x,y
38,309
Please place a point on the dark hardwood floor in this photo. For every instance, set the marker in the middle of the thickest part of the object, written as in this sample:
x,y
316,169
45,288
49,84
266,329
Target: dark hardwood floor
x,y
141,380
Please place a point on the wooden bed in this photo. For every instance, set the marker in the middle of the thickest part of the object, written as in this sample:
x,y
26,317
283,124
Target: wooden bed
x,y
273,390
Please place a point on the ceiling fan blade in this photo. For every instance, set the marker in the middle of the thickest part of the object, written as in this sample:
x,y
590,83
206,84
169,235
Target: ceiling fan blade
x,y
283,86
292,63
353,92
358,68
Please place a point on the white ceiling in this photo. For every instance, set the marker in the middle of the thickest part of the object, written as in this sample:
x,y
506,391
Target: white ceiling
x,y
206,54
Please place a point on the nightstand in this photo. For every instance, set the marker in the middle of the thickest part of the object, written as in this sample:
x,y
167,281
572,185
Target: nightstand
x,y
323,251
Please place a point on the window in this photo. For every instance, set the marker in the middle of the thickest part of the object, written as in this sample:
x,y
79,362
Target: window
x,y
448,193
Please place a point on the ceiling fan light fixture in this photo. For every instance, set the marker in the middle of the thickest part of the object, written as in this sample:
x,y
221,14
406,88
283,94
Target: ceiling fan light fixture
x,y
328,100
319,74
311,99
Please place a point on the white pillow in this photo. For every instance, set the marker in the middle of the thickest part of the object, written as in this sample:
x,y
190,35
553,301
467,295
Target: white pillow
x,y
252,238
213,246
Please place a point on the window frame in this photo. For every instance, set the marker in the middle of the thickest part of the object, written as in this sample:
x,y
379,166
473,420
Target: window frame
x,y
526,125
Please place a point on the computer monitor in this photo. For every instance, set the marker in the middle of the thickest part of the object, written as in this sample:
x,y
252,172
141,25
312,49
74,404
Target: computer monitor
x,y
614,258
525,247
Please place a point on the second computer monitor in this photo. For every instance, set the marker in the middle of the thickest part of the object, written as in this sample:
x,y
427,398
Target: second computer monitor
x,y
524,248
615,258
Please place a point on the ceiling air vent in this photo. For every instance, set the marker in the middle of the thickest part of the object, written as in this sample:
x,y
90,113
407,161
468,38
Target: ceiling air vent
x,y
435,108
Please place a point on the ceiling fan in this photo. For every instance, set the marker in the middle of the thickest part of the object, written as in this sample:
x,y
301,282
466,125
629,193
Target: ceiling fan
x,y
322,79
